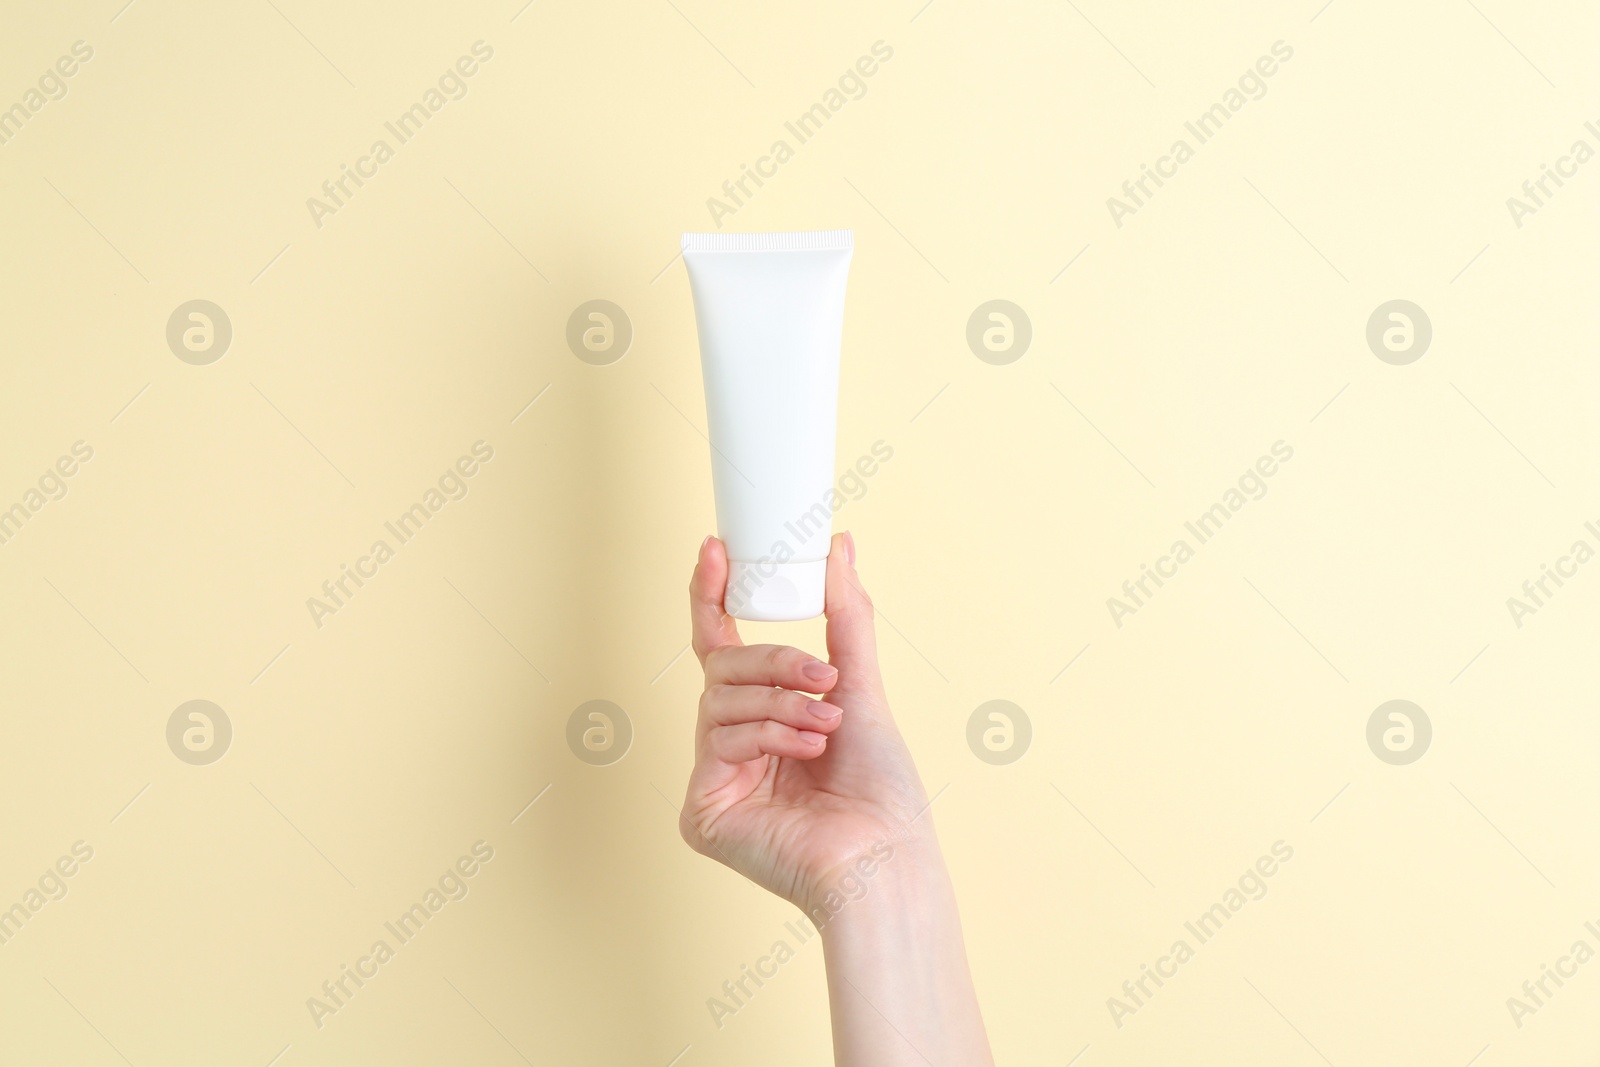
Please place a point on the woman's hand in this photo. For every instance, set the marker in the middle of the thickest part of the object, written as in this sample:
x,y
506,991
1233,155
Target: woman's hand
x,y
788,790
818,801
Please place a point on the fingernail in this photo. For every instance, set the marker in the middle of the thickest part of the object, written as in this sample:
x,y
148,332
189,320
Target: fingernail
x,y
811,737
704,543
819,671
824,710
850,548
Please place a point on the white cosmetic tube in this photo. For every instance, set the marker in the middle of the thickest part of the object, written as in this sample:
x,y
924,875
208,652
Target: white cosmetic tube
x,y
770,310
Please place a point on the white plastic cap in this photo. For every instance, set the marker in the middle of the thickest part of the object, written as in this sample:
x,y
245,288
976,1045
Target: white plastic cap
x,y
776,592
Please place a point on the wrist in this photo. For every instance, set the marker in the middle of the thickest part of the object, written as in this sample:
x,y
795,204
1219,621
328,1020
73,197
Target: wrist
x,y
905,878
899,985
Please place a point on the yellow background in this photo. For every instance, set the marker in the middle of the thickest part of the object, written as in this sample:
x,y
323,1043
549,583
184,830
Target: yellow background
x,y
368,354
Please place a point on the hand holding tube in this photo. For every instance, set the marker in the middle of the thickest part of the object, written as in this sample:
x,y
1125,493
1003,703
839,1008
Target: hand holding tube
x,y
819,801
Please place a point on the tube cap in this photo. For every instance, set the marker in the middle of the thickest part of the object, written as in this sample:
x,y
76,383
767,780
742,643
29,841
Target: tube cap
x,y
776,592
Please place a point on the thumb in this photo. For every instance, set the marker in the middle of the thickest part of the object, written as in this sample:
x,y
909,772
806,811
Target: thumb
x,y
852,641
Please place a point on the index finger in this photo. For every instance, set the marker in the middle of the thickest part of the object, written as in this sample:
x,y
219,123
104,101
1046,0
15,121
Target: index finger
x,y
714,628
